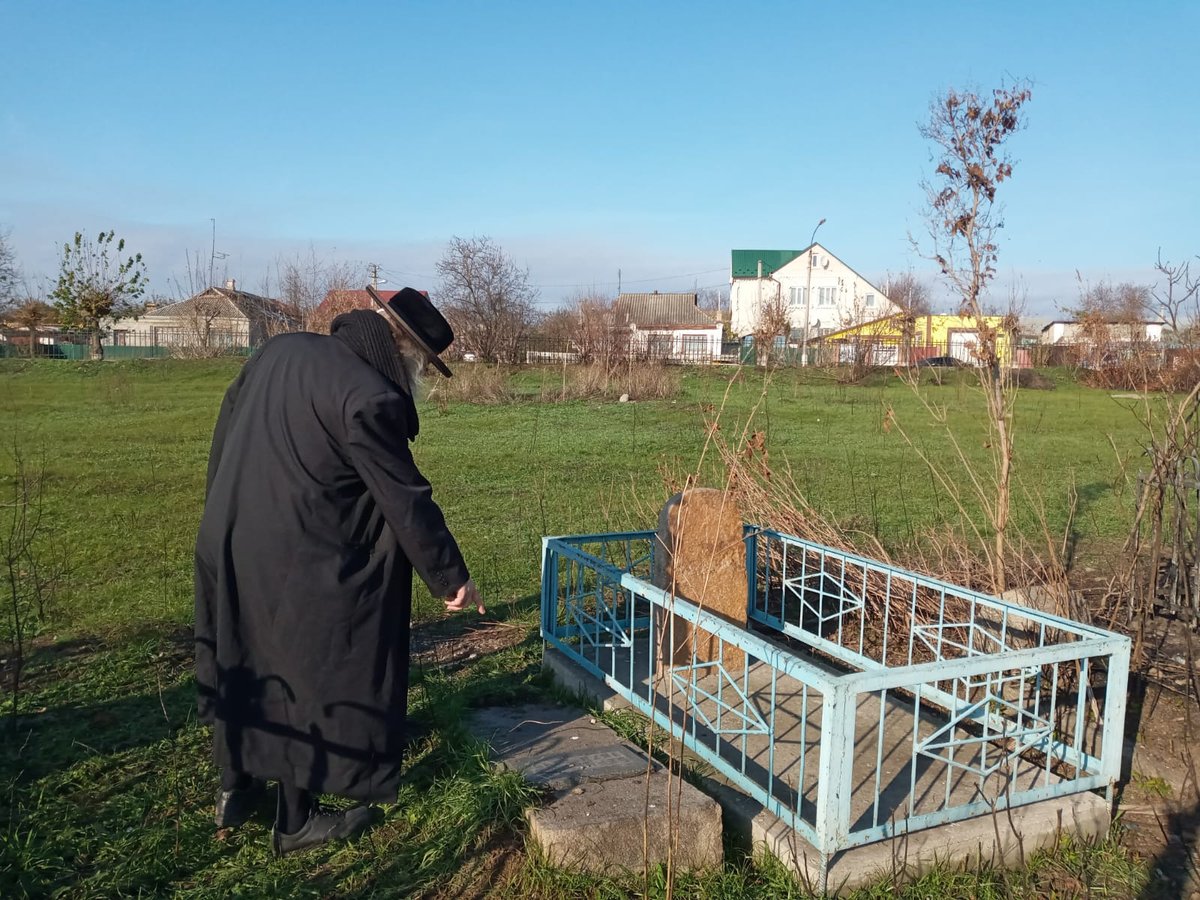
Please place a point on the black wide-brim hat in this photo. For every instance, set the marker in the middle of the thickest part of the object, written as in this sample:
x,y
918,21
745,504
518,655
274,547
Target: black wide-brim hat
x,y
414,314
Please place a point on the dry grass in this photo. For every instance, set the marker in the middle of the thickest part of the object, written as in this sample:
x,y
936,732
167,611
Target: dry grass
x,y
772,499
478,383
636,380
1143,369
494,385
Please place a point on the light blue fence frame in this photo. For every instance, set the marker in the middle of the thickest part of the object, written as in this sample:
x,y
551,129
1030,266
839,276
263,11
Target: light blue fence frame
x,y
997,694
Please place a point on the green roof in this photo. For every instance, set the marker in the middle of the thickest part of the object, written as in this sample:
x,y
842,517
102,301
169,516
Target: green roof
x,y
745,262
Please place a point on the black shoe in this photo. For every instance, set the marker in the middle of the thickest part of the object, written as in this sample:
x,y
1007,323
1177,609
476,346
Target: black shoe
x,y
235,807
323,827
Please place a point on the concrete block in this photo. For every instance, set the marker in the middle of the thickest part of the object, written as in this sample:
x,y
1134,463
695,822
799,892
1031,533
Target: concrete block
x,y
1003,839
610,806
574,680
601,826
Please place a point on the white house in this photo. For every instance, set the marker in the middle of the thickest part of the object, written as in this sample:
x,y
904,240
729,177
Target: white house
x,y
1070,331
669,326
821,293
214,319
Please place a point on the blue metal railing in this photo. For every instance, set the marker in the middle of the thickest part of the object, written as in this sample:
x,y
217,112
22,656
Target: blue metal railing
x,y
886,701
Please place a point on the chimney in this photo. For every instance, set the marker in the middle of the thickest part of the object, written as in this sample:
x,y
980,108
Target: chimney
x,y
231,283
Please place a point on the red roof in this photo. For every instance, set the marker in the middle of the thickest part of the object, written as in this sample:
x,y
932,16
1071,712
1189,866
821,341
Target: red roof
x,y
340,301
347,300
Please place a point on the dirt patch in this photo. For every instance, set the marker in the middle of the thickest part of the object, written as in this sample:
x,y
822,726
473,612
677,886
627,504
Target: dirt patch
x,y
452,643
1160,803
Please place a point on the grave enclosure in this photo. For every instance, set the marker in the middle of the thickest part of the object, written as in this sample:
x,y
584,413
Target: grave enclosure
x,y
851,709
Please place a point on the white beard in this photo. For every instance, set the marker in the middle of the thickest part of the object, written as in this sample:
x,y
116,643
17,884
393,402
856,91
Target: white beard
x,y
412,362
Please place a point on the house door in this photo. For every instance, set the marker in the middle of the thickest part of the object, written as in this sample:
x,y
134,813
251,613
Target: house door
x,y
962,346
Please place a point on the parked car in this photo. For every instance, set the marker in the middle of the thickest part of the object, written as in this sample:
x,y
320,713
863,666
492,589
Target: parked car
x,y
947,362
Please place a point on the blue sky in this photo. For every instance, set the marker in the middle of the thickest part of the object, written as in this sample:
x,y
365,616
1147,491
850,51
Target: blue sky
x,y
649,137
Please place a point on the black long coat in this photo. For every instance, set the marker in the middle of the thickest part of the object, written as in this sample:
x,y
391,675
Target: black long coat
x,y
315,517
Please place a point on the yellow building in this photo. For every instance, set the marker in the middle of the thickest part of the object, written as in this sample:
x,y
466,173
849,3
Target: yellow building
x,y
908,340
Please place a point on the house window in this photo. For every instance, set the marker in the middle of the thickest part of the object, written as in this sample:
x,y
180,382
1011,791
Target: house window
x,y
870,300
796,296
658,343
826,296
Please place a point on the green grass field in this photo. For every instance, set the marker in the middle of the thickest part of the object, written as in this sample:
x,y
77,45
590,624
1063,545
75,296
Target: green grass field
x,y
105,779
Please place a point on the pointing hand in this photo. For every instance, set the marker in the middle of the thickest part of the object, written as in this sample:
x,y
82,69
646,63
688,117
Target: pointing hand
x,y
466,596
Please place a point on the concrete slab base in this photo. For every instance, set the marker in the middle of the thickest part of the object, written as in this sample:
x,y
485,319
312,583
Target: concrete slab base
x,y
610,806
574,680
1006,838
1003,839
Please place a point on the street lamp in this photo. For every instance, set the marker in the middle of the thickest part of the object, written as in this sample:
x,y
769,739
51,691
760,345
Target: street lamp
x,y
808,296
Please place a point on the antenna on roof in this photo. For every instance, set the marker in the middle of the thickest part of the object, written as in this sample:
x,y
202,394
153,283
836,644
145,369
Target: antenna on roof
x,y
214,256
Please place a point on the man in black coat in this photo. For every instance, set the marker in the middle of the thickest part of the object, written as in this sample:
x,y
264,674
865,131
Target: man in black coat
x,y
315,517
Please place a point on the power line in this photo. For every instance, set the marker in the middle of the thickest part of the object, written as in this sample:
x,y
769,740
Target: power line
x,y
396,273
583,284
625,281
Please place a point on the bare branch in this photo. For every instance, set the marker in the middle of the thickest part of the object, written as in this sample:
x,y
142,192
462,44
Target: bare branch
x,y
486,297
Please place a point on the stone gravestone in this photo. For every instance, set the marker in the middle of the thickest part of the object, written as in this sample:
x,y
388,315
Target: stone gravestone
x,y
701,557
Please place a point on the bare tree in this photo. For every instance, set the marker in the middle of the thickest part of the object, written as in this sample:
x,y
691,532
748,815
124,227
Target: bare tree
x,y
908,292
1177,300
869,344
1112,312
206,328
969,134
305,281
602,333
338,301
32,314
558,326
487,298
713,299
1114,303
774,322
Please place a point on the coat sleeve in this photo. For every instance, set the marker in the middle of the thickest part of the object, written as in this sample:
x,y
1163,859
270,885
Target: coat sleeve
x,y
222,427
378,445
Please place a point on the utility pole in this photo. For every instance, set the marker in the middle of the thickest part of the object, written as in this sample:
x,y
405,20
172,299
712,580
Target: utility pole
x,y
374,267
808,295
